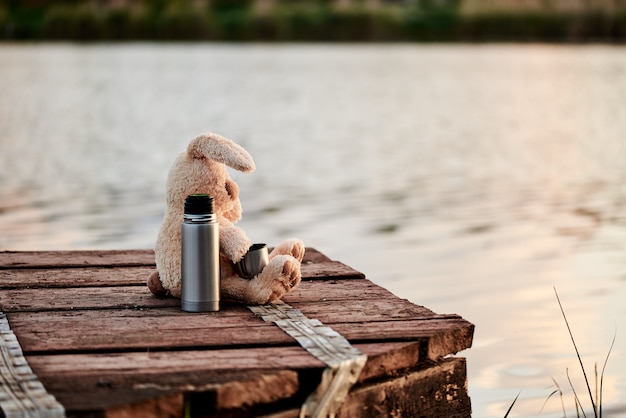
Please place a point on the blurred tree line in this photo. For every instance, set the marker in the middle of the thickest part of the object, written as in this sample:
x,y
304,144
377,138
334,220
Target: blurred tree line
x,y
311,20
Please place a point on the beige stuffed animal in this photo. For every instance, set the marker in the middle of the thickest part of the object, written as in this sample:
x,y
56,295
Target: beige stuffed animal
x,y
202,169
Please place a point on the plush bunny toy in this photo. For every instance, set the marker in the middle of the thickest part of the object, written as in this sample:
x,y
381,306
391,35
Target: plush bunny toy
x,y
202,169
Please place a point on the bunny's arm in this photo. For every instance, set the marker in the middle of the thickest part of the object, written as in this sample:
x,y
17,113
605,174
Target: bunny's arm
x,y
234,243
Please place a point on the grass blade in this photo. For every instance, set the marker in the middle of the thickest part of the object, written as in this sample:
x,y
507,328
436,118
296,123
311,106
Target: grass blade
x,y
576,399
603,368
595,376
554,392
511,407
569,330
560,392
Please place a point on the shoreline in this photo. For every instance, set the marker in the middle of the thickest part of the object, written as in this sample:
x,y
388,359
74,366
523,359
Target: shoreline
x,y
307,22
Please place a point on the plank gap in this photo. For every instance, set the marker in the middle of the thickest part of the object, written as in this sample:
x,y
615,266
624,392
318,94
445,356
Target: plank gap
x,y
147,350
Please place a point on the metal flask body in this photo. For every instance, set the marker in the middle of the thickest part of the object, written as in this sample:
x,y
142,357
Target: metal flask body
x,y
200,264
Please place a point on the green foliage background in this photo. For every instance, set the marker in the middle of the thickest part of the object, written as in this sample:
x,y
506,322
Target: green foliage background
x,y
293,20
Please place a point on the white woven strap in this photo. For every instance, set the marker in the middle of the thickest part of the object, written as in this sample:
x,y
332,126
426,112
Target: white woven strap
x,y
344,361
21,393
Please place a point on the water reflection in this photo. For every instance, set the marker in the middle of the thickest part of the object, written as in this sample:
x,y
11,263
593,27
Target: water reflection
x,y
470,179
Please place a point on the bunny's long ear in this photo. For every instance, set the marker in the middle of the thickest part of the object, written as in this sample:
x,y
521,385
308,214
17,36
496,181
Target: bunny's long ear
x,y
217,148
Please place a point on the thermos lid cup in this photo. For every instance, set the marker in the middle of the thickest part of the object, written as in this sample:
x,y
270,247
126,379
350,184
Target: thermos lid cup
x,y
253,262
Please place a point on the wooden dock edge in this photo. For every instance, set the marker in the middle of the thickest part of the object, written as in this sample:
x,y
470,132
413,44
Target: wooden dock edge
x,y
409,371
439,390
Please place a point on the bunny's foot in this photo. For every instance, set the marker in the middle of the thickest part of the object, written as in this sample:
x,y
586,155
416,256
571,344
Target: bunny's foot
x,y
293,247
155,285
279,277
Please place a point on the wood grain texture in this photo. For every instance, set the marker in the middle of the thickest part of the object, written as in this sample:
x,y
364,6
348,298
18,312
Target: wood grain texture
x,y
228,390
134,275
236,377
102,258
29,278
25,298
65,259
169,328
384,359
311,295
436,391
439,390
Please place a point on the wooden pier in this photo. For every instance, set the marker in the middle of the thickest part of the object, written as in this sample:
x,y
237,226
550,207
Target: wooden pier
x,y
102,345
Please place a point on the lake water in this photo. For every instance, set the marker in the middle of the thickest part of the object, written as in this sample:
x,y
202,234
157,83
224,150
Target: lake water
x,y
469,179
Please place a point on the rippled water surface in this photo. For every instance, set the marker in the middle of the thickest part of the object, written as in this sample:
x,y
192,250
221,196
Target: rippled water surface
x,y
469,179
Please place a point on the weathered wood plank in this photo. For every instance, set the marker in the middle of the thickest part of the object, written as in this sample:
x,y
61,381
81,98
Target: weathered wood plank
x,y
170,328
332,289
364,311
386,359
321,295
329,270
136,365
215,362
74,277
162,406
91,258
437,391
102,258
229,389
118,297
312,255
135,276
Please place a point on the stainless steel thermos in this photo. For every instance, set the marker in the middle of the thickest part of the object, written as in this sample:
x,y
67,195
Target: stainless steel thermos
x,y
200,264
